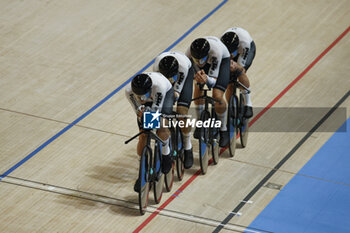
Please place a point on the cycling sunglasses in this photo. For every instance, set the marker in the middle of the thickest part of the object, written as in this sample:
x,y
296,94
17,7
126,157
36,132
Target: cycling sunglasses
x,y
234,53
145,96
200,61
174,77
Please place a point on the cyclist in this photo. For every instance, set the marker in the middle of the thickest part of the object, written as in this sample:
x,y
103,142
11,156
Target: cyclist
x,y
211,61
151,91
242,49
178,69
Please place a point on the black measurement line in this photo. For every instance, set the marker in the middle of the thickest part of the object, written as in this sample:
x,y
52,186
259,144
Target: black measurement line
x,y
279,165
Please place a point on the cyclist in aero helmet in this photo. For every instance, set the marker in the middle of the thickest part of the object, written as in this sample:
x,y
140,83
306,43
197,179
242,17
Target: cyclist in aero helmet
x,y
152,92
242,52
211,61
177,68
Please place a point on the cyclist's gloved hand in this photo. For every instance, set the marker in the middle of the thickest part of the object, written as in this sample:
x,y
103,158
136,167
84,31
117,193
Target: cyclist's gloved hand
x,y
148,109
176,96
140,110
201,77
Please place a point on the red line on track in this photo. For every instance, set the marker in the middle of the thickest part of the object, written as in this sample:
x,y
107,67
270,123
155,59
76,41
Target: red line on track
x,y
299,77
279,96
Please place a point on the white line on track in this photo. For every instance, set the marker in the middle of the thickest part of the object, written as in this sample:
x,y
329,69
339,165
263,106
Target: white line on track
x,y
122,203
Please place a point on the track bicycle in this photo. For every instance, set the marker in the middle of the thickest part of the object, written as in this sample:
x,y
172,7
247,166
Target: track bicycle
x,y
235,117
150,169
208,139
177,147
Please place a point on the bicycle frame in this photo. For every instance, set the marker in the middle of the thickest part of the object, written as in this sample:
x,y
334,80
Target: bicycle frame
x,y
177,146
242,122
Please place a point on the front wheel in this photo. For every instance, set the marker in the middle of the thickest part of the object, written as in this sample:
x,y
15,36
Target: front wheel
x,y
214,133
244,127
243,131
169,178
158,175
144,179
231,123
180,166
204,144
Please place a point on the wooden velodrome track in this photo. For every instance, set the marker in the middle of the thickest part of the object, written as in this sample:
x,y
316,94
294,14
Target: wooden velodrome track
x,y
64,164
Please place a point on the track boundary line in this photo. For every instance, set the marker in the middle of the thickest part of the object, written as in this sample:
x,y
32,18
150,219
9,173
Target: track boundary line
x,y
121,203
279,96
281,163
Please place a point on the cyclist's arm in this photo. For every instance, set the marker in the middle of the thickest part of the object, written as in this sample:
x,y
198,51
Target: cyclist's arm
x,y
242,59
238,72
243,78
180,82
158,95
214,69
132,99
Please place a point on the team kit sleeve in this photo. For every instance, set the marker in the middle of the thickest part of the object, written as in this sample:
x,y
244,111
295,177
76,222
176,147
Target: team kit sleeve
x,y
242,59
216,58
131,98
158,100
180,82
158,96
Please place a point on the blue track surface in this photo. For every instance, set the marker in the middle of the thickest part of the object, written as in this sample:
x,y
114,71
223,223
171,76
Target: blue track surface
x,y
317,199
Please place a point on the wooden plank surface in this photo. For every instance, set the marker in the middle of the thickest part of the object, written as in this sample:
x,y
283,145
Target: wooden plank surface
x,y
59,59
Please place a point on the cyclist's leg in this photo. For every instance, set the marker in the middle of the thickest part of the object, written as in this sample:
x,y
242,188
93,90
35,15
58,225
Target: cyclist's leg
x,y
182,110
183,105
142,139
229,92
248,108
140,145
218,93
243,78
164,133
199,104
185,98
186,132
199,107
